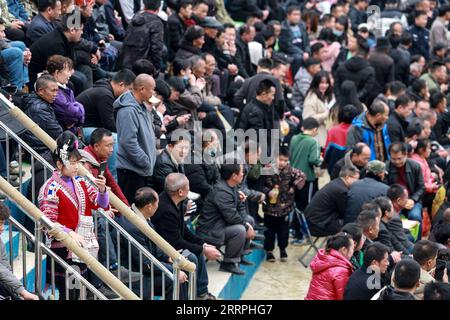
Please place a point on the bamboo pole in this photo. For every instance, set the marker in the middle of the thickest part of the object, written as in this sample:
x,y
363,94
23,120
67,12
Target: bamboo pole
x,y
56,231
114,200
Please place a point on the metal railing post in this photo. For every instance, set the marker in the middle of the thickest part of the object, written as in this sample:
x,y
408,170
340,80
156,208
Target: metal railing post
x,y
38,257
192,286
176,280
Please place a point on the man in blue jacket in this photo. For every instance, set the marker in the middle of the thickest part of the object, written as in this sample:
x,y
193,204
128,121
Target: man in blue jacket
x,y
370,127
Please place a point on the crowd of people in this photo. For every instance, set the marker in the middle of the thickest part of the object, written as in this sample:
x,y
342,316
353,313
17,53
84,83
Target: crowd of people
x,y
330,91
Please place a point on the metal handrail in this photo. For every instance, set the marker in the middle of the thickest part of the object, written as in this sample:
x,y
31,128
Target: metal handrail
x,y
155,261
51,254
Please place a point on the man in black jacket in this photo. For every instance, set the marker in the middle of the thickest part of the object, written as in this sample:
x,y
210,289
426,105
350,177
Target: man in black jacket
x,y
358,70
397,123
259,114
98,101
177,27
145,36
383,65
358,157
224,220
375,263
192,43
407,173
145,205
60,41
420,35
169,223
326,210
404,282
246,34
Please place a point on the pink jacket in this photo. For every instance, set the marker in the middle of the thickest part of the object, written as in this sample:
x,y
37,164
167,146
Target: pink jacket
x,y
426,172
331,272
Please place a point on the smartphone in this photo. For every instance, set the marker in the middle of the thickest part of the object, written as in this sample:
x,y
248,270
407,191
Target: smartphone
x,y
441,265
102,169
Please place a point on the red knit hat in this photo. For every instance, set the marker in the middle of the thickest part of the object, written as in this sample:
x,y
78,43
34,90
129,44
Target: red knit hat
x,y
83,3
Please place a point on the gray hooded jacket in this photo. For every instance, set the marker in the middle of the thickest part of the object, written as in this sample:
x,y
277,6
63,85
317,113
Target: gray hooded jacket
x,y
135,135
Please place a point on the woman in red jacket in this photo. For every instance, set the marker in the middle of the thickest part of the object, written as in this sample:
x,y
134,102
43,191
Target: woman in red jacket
x,y
331,269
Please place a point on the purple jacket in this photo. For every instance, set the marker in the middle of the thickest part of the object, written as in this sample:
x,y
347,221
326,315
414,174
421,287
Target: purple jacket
x,y
68,111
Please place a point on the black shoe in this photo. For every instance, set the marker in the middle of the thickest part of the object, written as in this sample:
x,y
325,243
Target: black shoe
x,y
254,245
246,262
283,255
270,257
231,267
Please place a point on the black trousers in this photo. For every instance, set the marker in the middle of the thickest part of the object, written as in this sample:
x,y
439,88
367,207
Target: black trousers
x,y
130,182
276,227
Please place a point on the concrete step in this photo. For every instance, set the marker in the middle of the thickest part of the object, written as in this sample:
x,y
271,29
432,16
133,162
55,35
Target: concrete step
x,y
227,286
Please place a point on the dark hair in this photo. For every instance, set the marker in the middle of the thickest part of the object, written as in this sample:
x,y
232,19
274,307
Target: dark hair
x,y
292,8
310,123
371,206
395,191
42,5
347,113
338,241
126,76
384,203
183,4
348,171
326,34
434,65
145,196
374,252
314,87
179,64
264,87
358,148
415,127
418,13
406,274
421,145
406,39
228,26
436,98
418,85
228,169
43,81
144,66
284,151
398,147
367,218
436,291
354,230
315,48
265,63
244,29
58,63
442,233
177,84
4,212
438,47
377,107
69,139
424,250
152,4
98,134
394,39
395,87
402,100
349,95
443,10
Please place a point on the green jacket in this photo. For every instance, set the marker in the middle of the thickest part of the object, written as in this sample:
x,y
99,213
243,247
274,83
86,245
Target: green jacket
x,y
305,154
432,83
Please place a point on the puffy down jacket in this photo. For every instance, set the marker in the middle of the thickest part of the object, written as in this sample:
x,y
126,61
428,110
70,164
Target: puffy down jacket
x,y
331,272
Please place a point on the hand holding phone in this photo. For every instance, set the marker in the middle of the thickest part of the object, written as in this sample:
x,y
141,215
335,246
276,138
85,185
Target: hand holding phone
x,y
102,169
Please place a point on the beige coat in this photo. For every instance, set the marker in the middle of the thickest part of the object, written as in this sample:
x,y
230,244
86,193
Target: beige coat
x,y
425,278
317,109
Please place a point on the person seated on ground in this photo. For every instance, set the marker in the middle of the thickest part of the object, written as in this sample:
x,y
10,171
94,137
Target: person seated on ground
x,y
425,253
331,269
385,236
397,122
407,173
404,282
169,223
279,189
145,205
369,221
325,212
356,232
68,111
224,219
376,261
10,286
365,190
437,291
357,157
401,240
169,161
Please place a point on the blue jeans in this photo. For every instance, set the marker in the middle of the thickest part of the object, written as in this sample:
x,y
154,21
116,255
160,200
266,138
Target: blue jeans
x,y
415,214
13,58
202,274
112,166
